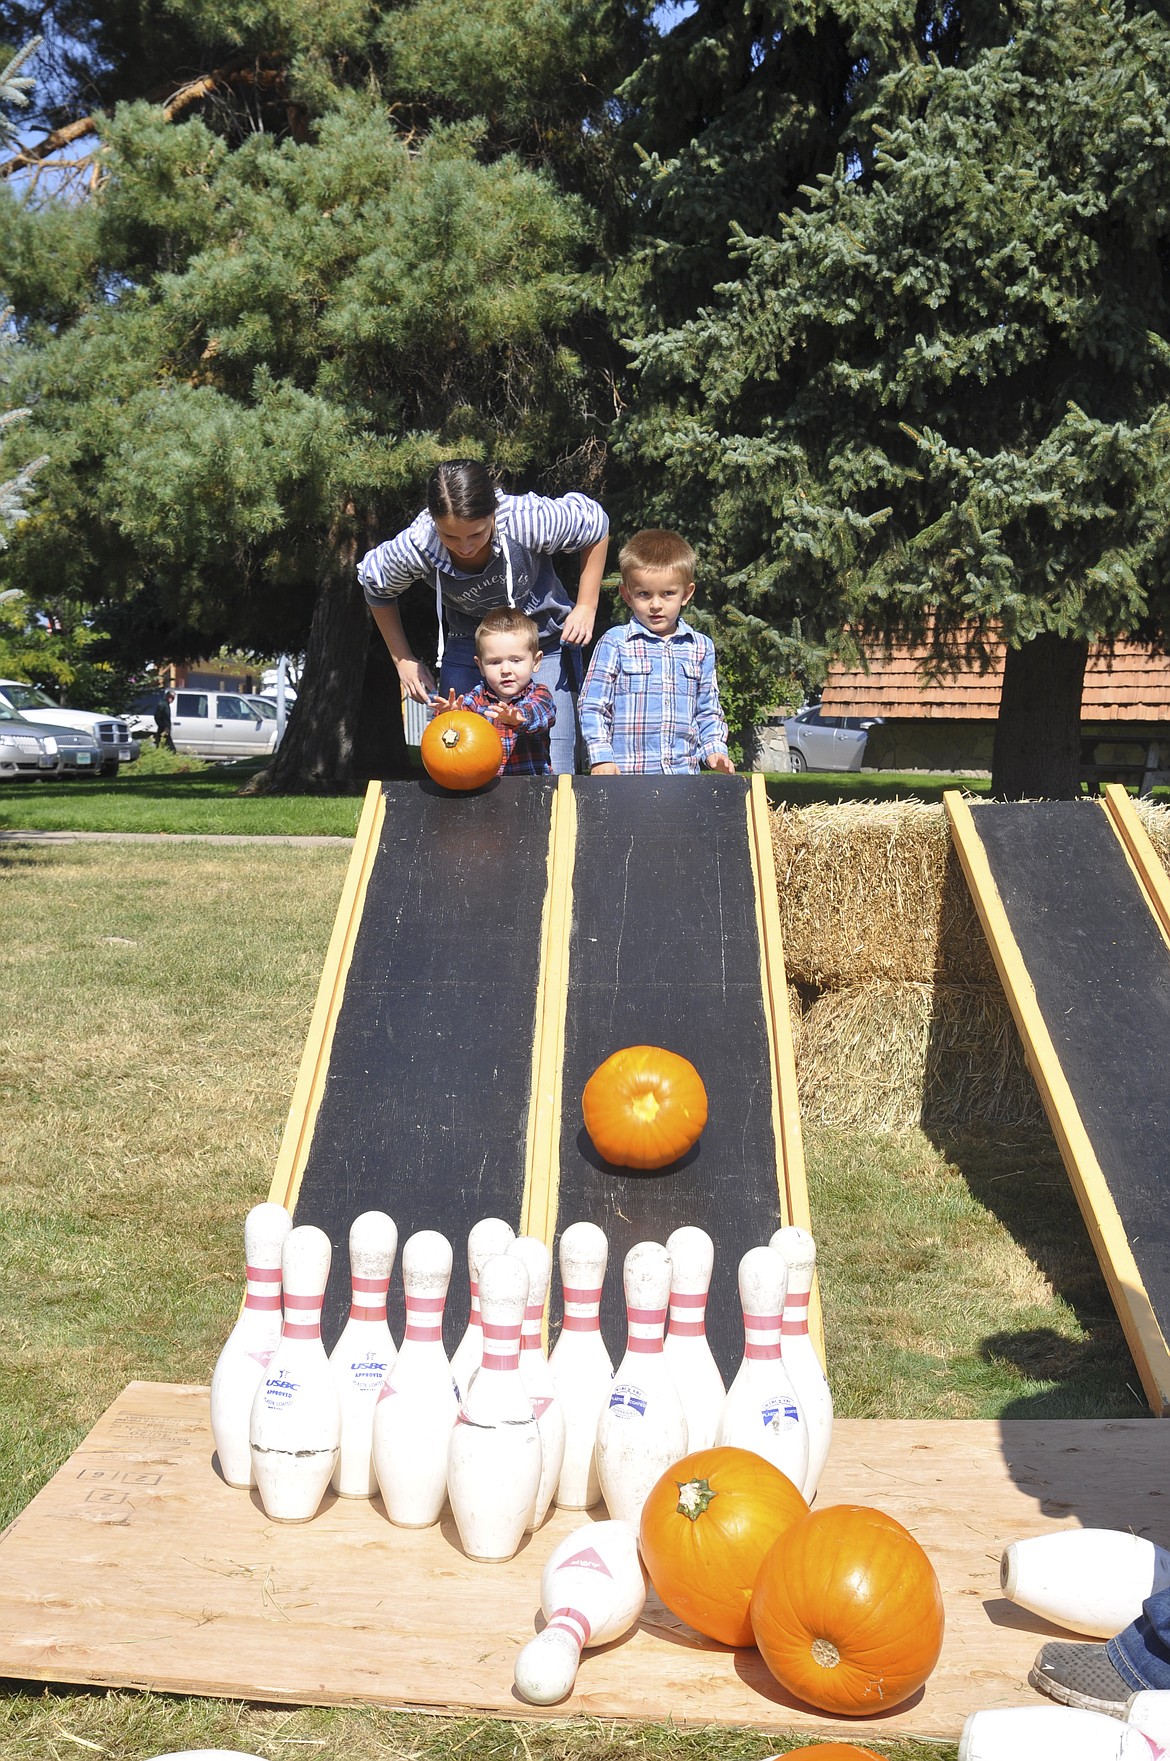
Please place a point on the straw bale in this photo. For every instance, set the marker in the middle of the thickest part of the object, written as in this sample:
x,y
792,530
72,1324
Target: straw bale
x,y
1156,820
893,1056
874,891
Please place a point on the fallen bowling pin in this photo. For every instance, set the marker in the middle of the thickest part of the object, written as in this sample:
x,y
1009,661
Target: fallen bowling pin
x,y
579,1364
1055,1733
416,1408
295,1426
643,1427
688,1355
1092,1581
799,1252
494,1457
535,1373
364,1355
489,1236
592,1590
761,1412
242,1363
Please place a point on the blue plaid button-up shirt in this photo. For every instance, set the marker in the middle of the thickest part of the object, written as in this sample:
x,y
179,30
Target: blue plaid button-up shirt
x,y
651,703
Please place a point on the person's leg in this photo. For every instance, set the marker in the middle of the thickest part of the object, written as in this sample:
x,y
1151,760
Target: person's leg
x,y
560,672
459,672
1100,1678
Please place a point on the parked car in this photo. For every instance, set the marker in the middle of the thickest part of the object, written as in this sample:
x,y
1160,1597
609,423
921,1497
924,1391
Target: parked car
x,y
221,725
32,749
827,742
109,733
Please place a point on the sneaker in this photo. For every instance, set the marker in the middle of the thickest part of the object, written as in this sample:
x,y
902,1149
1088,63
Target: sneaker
x,y
1080,1675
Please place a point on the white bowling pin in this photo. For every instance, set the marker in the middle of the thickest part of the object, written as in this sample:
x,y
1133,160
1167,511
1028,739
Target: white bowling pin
x,y
489,1236
799,1354
580,1366
1149,1711
364,1355
1093,1581
688,1355
417,1406
240,1367
761,1411
592,1590
295,1427
494,1456
643,1428
535,1373
1053,1733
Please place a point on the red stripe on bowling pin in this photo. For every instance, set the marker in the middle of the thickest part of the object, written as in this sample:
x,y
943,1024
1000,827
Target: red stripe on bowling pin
x,y
428,1310
582,1309
305,1320
530,1339
369,1287
761,1335
506,1343
687,1315
263,1290
573,1622
645,1329
795,1314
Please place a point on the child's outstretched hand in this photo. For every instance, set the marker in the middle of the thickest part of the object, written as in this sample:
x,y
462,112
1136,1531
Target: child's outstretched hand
x,y
720,761
440,705
506,715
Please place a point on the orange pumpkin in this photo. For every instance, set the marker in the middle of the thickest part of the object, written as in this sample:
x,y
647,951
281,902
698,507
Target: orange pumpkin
x,y
847,1611
644,1107
706,1527
831,1752
461,750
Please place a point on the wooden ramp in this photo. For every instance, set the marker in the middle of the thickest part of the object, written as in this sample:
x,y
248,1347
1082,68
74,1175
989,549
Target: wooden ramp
x,y
1076,909
489,951
137,1567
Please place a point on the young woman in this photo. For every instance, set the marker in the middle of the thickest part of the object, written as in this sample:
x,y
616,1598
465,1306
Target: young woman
x,y
480,548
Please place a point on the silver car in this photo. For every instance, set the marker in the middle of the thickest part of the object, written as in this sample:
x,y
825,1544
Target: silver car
x,y
25,750
827,742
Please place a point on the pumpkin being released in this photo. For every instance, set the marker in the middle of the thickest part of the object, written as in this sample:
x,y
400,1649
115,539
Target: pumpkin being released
x,y
644,1107
706,1527
847,1611
461,750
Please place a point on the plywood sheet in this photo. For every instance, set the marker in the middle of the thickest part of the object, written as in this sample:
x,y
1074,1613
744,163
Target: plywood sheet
x,y
136,1566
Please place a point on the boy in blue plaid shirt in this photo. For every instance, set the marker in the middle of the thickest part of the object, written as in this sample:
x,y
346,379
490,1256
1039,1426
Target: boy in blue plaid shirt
x,y
507,650
650,701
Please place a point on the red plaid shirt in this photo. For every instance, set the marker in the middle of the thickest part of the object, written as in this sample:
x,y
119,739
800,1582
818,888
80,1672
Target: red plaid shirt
x,y
526,748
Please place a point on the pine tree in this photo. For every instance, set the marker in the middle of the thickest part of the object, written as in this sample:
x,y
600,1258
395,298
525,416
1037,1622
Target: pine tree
x,y
934,398
14,90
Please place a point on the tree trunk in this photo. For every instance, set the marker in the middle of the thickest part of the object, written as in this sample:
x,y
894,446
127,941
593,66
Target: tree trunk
x,y
1037,751
380,740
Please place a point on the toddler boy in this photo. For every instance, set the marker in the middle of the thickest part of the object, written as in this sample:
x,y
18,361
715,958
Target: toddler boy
x,y
650,701
507,651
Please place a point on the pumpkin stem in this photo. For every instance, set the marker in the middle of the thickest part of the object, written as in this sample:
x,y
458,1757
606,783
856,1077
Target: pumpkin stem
x,y
825,1653
645,1108
693,1497
450,736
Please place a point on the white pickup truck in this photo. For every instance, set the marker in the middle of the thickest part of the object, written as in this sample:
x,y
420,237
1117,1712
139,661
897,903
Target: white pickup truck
x,y
110,732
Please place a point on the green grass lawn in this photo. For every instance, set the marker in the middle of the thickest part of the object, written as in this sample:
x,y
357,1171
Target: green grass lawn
x,y
157,1000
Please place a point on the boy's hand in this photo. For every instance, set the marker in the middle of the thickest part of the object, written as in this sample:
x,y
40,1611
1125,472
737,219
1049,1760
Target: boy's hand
x,y
505,715
605,770
440,705
720,761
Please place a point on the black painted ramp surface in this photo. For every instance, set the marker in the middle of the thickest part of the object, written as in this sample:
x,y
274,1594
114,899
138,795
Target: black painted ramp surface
x,y
665,951
425,1107
1101,973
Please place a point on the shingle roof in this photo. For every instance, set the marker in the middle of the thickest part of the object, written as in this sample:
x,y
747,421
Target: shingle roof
x,y
1124,684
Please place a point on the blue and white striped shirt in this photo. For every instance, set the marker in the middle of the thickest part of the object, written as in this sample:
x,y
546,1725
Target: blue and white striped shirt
x,y
529,528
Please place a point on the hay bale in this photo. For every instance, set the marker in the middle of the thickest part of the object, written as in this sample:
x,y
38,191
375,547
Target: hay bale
x,y
889,1057
872,891
1156,820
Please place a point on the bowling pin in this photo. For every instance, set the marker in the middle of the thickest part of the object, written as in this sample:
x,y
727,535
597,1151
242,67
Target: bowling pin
x,y
1093,1581
494,1456
799,1354
295,1427
580,1366
592,1590
643,1428
490,1235
1058,1733
364,1355
535,1374
761,1411
418,1403
240,1367
688,1356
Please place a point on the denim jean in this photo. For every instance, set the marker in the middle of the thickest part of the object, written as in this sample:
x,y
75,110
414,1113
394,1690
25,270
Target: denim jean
x,y
1141,1654
560,672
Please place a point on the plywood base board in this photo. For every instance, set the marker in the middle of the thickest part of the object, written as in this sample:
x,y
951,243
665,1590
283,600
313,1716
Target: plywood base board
x,y
137,1567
